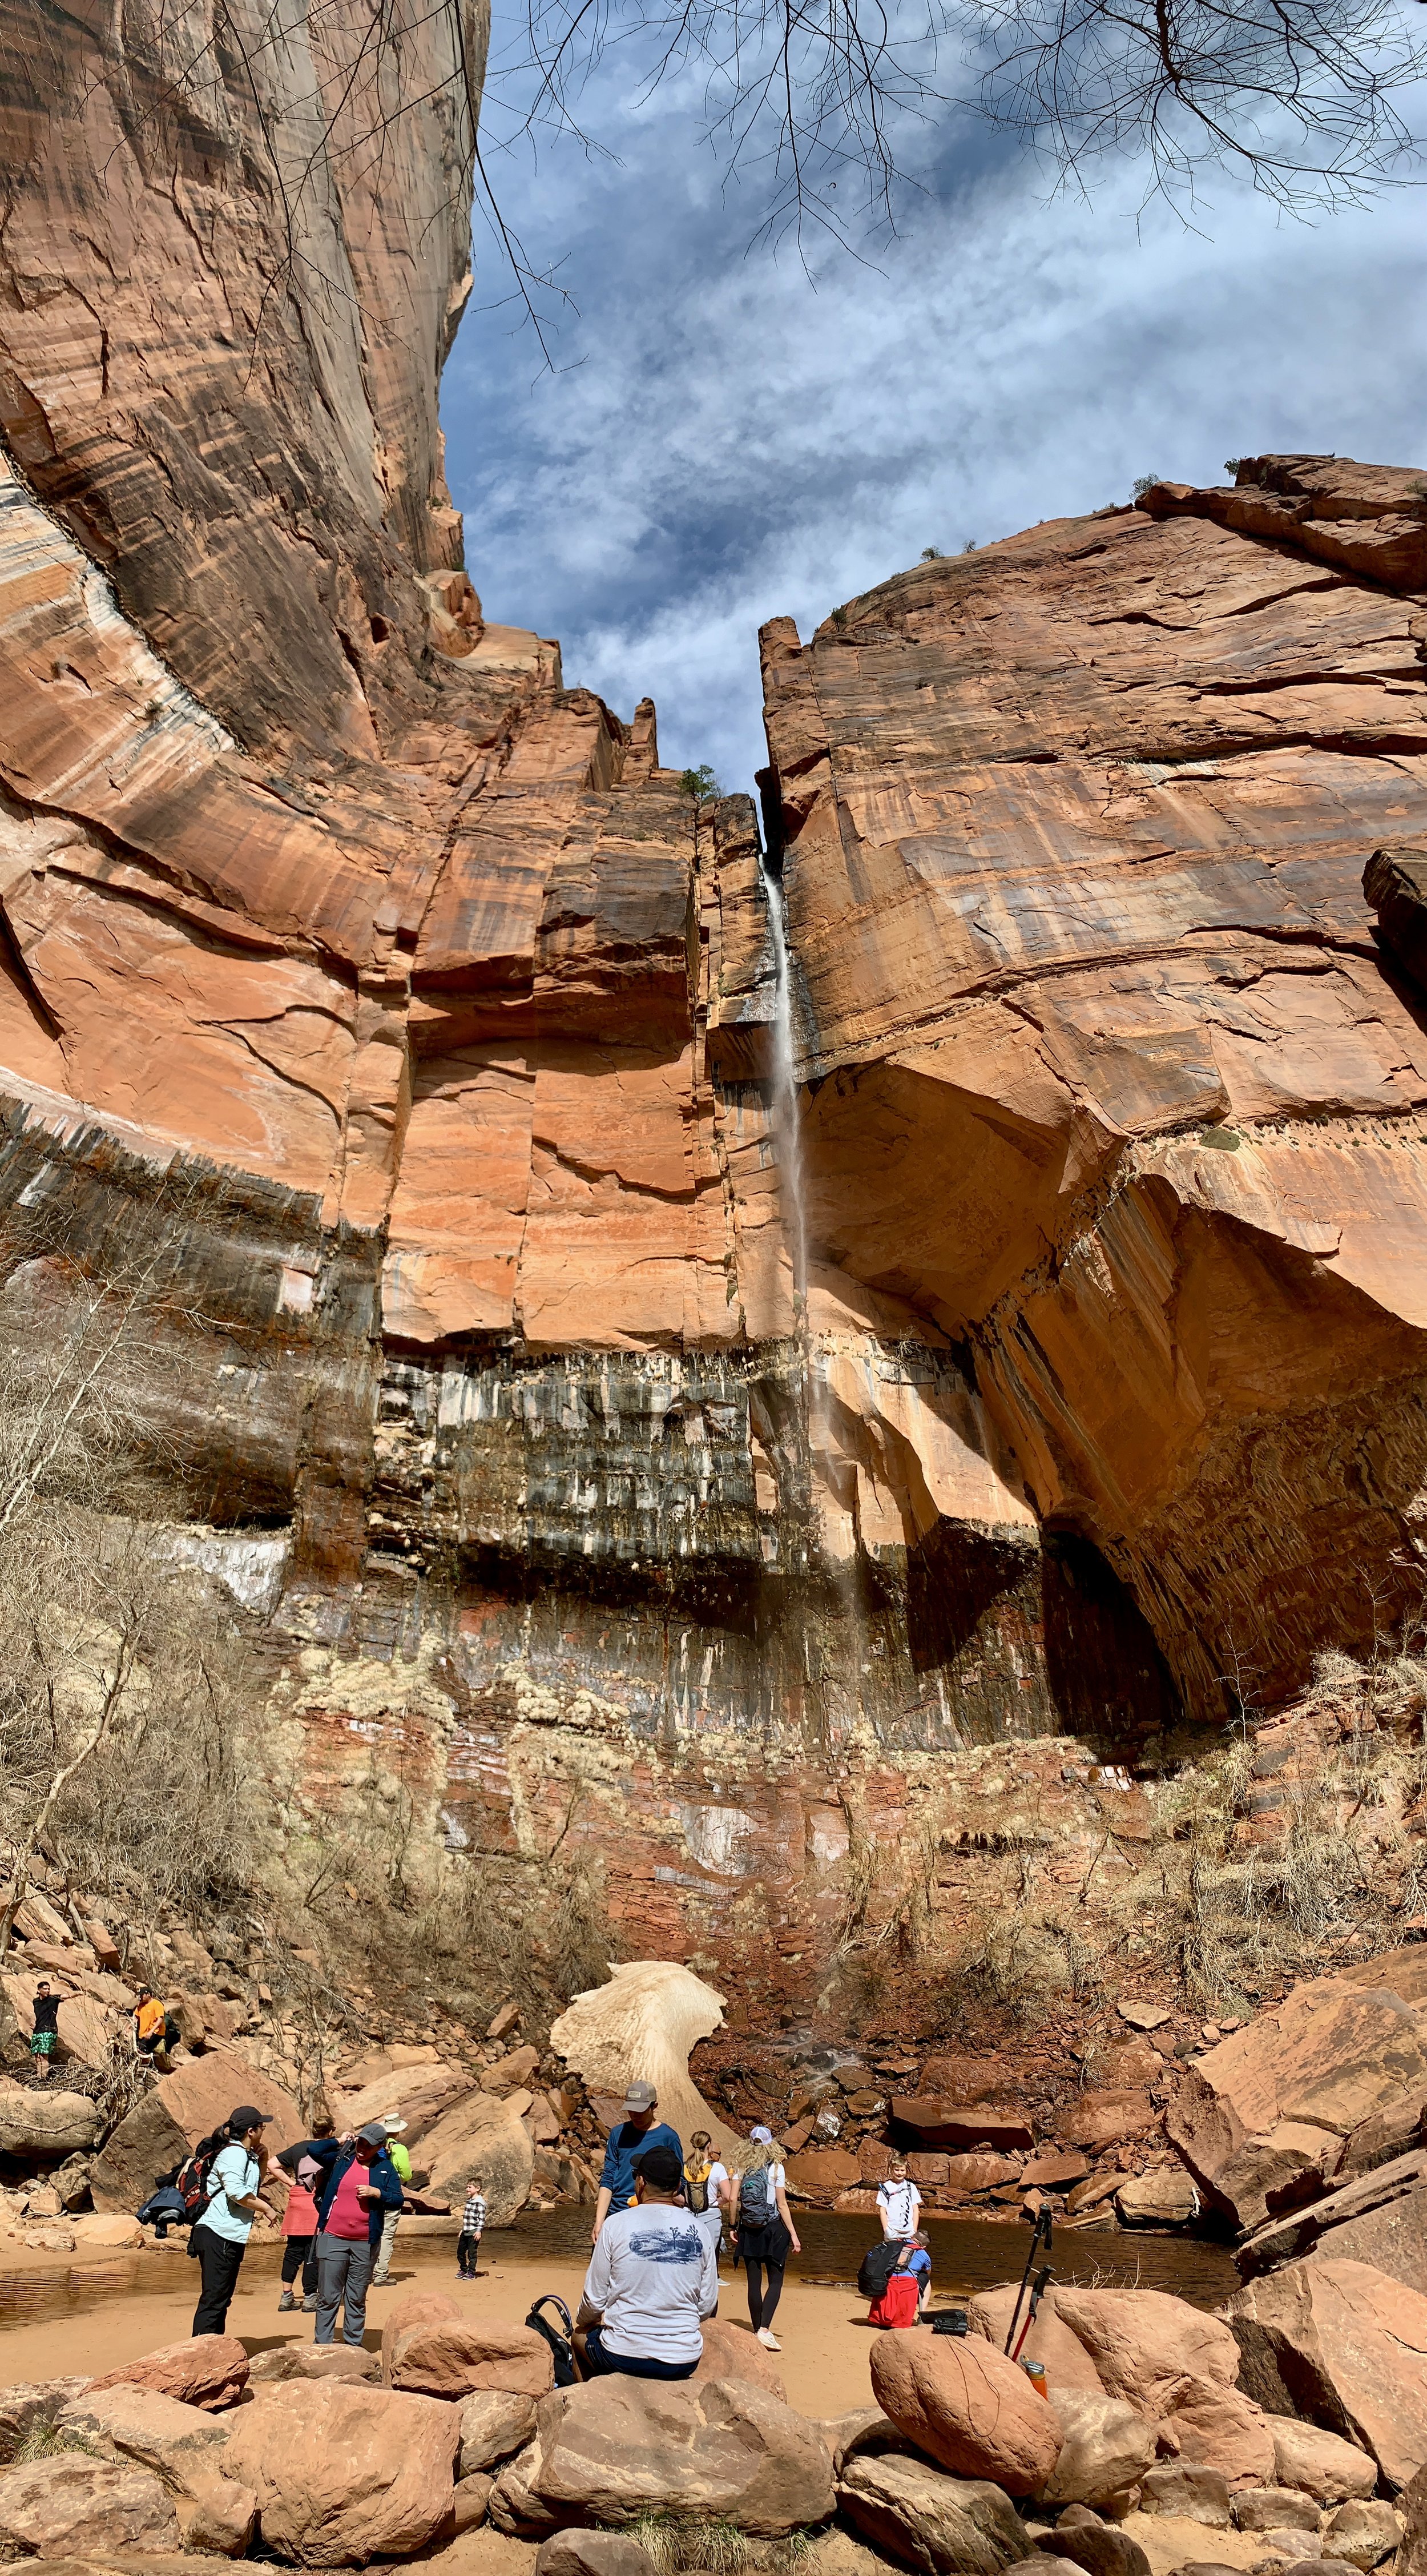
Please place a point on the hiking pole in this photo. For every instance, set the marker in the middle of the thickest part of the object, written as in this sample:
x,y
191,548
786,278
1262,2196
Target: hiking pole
x,y
1038,2290
1042,2228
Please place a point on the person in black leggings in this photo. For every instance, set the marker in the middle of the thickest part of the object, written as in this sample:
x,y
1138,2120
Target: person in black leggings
x,y
765,2242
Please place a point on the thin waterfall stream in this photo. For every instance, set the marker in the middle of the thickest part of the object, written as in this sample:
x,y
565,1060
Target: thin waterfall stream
x,y
787,1123
821,1446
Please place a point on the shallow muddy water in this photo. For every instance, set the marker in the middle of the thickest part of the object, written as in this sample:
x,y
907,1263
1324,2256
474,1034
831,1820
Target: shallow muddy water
x,y
967,2255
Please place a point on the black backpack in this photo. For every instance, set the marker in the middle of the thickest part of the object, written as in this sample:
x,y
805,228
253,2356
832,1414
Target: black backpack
x,y
561,2347
878,2265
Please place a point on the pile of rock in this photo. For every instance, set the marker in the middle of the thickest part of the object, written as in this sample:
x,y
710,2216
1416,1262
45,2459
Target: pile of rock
x,y
1147,2455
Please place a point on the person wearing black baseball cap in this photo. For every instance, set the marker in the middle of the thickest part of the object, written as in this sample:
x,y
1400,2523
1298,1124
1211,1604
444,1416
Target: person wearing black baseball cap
x,y
219,2238
653,2277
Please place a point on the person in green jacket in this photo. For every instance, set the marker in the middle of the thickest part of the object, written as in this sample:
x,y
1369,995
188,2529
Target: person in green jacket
x,y
399,2158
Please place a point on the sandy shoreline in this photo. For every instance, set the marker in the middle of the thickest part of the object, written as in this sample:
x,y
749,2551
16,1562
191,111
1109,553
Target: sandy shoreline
x,y
823,2330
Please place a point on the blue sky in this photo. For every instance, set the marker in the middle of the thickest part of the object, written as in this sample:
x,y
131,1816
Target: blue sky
x,y
726,439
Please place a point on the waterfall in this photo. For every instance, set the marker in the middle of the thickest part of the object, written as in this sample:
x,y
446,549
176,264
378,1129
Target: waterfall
x,y
787,1124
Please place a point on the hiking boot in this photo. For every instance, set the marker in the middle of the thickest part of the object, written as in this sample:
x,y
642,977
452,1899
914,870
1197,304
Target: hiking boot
x,y
285,2302
309,2304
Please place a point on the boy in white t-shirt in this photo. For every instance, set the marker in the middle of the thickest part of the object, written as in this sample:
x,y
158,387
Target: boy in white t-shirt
x,y
899,2201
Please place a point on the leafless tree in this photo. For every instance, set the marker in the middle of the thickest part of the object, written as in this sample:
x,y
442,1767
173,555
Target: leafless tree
x,y
824,106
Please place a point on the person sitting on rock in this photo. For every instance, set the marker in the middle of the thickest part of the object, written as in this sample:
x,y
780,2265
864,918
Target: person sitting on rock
x,y
46,2031
360,2186
899,2203
632,2136
652,2278
150,2028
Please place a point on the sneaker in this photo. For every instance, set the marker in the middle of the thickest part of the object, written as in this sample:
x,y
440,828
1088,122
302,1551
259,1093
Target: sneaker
x,y
768,2340
285,2302
309,2304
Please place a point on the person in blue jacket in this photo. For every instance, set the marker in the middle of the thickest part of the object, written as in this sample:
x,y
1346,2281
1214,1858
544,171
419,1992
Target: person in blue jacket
x,y
632,2136
359,2186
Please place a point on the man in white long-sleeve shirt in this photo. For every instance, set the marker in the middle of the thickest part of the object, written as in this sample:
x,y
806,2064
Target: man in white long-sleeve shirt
x,y
653,2277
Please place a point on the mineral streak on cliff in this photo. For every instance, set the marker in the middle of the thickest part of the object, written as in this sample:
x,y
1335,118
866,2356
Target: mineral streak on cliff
x,y
399,993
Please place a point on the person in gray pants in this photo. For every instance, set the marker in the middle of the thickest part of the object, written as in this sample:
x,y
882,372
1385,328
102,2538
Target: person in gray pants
x,y
360,2187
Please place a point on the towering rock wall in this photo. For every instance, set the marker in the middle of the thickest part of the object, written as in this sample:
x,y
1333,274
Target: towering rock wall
x,y
1108,1073
383,1028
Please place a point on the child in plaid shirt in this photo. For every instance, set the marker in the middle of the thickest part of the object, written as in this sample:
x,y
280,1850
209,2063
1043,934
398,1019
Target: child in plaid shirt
x,y
473,2220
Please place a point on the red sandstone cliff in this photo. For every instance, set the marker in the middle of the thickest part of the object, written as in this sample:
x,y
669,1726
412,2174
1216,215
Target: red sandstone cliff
x,y
402,986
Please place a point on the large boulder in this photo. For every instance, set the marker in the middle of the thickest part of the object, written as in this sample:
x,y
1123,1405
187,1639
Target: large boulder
x,y
968,2406
1095,2547
1275,2509
1363,2532
822,2172
730,2352
1167,2197
418,2096
176,2112
349,2475
514,2506
45,2121
1067,2363
1219,2427
204,2370
127,2421
1108,2116
1106,2449
931,2520
26,2403
1143,2343
452,2359
481,2135
973,2173
1189,2491
1322,2464
925,2120
861,2428
312,2361
617,2447
1330,2083
593,2553
640,2027
1378,2218
69,2505
1345,2346
431,2349
494,2426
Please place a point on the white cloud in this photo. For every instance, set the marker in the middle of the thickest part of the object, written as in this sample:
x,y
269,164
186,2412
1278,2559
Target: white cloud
x,y
736,443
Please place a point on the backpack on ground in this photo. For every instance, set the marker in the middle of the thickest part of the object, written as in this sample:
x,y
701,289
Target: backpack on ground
x,y
755,2198
562,2350
878,2265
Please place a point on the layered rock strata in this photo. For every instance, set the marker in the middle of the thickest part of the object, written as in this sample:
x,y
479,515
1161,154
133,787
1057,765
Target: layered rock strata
x,y
1107,1074
383,1024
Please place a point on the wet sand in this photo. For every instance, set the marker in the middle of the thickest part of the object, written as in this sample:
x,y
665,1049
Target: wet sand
x,y
101,2323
